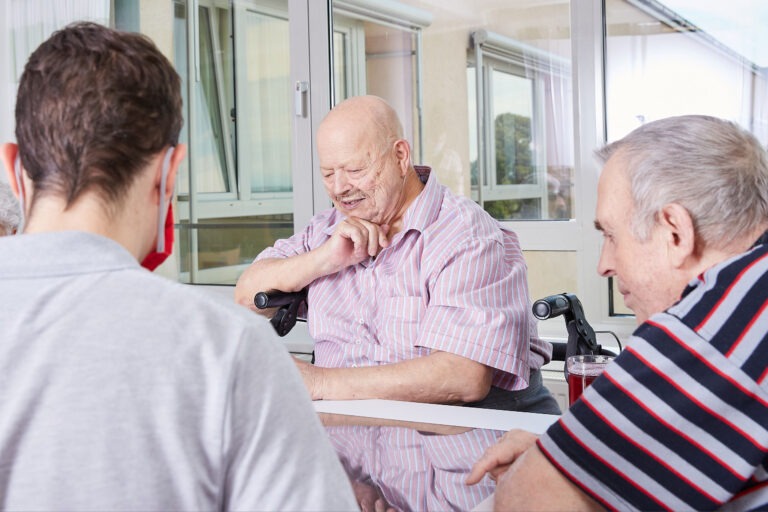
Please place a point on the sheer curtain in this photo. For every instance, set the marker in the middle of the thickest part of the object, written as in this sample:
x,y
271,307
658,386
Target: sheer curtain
x,y
265,103
25,24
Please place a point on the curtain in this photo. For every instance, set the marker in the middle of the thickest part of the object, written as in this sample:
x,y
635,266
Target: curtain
x,y
265,103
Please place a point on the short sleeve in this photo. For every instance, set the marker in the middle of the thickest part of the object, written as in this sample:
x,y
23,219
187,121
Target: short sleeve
x,y
478,307
277,453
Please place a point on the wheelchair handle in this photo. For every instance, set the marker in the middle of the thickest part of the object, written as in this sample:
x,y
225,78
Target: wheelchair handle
x,y
276,298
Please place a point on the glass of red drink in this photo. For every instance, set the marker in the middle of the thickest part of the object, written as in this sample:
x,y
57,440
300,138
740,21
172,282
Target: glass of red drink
x,y
582,370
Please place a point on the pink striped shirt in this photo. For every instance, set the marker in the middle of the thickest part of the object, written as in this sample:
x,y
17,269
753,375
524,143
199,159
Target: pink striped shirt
x,y
415,469
451,280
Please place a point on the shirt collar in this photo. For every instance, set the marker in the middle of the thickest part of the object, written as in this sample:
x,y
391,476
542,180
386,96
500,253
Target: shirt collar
x,y
425,208
762,240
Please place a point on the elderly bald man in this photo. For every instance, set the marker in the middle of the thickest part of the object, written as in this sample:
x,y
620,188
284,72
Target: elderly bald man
x,y
416,293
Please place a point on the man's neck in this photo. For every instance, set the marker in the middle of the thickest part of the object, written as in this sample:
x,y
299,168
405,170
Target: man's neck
x,y
711,256
50,214
412,187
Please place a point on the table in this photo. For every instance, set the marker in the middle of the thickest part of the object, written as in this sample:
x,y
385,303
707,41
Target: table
x,y
451,415
416,456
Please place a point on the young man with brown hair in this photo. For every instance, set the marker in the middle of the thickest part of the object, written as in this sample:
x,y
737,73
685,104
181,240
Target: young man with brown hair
x,y
119,389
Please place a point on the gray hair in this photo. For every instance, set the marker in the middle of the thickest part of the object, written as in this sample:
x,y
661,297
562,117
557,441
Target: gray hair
x,y
712,167
10,214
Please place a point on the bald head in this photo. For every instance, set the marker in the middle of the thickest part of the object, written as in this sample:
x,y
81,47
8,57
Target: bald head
x,y
367,118
365,161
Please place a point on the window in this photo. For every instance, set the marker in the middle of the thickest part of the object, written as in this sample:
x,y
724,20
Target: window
x,y
521,154
506,100
235,193
660,64
377,50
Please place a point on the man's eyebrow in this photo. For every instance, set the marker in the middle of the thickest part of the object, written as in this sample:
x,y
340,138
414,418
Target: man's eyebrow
x,y
598,226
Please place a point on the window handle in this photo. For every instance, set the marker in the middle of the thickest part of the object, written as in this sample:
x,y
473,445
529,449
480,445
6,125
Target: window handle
x,y
300,98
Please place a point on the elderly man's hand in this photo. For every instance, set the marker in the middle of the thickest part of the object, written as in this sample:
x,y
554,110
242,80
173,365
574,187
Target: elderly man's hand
x,y
313,378
353,241
497,459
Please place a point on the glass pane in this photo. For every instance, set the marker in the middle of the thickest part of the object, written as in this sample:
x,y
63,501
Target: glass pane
x,y
472,118
660,64
417,56
513,135
208,150
514,209
339,67
551,272
390,60
210,145
373,56
656,68
233,241
617,300
240,147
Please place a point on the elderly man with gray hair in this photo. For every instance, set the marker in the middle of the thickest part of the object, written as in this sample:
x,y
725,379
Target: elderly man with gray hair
x,y
10,215
679,421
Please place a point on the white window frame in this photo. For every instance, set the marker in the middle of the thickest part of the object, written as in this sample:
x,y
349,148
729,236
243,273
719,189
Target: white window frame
x,y
489,49
507,59
588,63
241,201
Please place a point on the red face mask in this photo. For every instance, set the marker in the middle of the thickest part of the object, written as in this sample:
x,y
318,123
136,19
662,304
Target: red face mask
x,y
164,245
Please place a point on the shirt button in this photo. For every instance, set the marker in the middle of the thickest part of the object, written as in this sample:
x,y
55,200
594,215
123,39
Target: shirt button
x,y
361,321
357,341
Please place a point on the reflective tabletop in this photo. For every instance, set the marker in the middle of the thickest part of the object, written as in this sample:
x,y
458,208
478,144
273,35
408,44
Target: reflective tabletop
x,y
413,456
410,466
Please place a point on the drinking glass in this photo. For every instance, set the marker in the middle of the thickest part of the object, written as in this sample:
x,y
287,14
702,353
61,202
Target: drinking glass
x,y
582,371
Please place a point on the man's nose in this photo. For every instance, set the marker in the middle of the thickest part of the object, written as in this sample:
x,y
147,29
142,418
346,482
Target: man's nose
x,y
340,182
605,264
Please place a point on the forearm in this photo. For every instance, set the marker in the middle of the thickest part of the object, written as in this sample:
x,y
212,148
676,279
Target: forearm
x,y
286,274
533,483
440,377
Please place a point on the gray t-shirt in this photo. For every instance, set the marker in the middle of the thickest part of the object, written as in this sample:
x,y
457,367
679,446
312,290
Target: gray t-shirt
x,y
120,389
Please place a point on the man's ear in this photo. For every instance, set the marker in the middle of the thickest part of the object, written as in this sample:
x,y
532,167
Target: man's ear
x,y
677,223
177,154
403,154
177,157
8,152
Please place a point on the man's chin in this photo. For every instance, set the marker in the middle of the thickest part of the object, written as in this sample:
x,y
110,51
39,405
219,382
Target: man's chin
x,y
639,317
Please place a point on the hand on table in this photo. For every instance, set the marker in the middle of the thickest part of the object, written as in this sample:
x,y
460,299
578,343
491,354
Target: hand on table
x,y
499,457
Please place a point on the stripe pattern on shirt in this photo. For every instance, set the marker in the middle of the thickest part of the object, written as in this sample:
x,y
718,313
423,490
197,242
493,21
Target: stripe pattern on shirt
x,y
452,280
413,469
679,420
